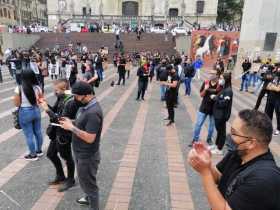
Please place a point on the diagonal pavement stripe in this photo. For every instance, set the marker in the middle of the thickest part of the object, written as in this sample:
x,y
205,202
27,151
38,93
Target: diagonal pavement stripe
x,y
181,198
15,166
51,198
120,194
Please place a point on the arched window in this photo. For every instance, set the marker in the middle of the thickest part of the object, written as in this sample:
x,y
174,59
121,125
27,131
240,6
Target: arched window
x,y
1,13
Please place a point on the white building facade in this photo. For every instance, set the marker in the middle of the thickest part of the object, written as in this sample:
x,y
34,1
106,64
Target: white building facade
x,y
203,11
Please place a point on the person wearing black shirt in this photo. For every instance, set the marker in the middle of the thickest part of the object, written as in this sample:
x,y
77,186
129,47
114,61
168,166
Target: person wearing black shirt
x,y
267,74
121,70
171,93
61,139
273,99
222,111
208,88
143,78
162,75
246,65
189,71
99,66
248,178
86,134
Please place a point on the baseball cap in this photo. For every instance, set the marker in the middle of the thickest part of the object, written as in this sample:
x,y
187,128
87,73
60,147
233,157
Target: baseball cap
x,y
82,88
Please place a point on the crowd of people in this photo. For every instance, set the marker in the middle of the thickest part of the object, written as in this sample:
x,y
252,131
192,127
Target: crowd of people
x,y
76,117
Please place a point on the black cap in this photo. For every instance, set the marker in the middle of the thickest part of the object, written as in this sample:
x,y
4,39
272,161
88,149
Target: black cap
x,y
82,88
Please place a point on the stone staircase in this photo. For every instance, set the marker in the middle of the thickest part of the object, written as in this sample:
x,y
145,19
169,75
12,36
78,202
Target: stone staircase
x,y
94,41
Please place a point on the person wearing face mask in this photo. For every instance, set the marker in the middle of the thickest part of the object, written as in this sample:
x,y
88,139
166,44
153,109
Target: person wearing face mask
x,y
273,99
60,142
208,88
86,133
247,178
162,75
171,93
222,111
189,74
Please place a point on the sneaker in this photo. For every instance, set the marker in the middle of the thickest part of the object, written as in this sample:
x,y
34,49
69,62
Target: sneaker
x,y
31,157
170,123
66,185
212,147
217,152
276,133
58,180
83,201
191,144
209,142
39,153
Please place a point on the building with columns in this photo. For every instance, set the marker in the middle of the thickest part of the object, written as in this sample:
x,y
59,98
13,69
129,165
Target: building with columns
x,y
203,11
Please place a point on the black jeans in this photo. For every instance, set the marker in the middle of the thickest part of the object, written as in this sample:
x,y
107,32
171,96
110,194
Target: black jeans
x,y
121,78
221,133
170,102
65,152
269,109
260,97
1,78
87,170
142,87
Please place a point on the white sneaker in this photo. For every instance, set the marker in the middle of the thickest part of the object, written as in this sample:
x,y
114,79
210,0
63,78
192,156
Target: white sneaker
x,y
276,133
217,152
212,147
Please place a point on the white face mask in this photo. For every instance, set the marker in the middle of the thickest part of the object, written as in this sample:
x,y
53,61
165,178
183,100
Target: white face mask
x,y
221,82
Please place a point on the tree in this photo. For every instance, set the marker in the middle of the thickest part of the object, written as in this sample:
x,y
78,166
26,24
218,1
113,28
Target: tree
x,y
230,11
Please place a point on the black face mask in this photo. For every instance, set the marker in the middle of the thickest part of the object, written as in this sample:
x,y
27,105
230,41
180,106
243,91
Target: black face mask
x,y
80,103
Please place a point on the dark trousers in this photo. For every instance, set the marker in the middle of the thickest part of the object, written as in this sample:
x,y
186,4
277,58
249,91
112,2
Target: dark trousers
x,y
87,170
170,102
260,97
18,79
1,78
64,151
121,78
269,109
221,133
142,87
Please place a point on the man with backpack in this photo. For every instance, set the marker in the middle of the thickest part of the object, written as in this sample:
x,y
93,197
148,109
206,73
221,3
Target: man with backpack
x,y
189,74
60,142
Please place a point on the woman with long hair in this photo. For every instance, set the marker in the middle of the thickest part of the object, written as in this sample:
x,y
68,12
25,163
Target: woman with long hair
x,y
222,111
26,98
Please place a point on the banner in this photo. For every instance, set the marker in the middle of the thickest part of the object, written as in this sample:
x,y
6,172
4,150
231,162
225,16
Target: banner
x,y
210,45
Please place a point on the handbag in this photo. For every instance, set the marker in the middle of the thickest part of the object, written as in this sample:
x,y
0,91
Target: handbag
x,y
15,115
16,119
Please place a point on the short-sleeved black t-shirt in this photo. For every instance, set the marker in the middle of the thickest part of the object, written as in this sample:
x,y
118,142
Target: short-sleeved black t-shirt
x,y
121,67
207,103
170,90
89,119
258,187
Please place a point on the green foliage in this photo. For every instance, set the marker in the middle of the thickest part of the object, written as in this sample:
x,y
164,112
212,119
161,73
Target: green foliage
x,y
229,10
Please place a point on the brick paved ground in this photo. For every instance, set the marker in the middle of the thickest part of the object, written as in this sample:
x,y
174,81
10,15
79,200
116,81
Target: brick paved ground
x,y
143,163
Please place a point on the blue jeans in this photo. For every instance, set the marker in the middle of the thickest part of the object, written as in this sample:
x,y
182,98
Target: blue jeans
x,y
188,81
244,82
162,92
100,74
30,122
201,117
253,79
